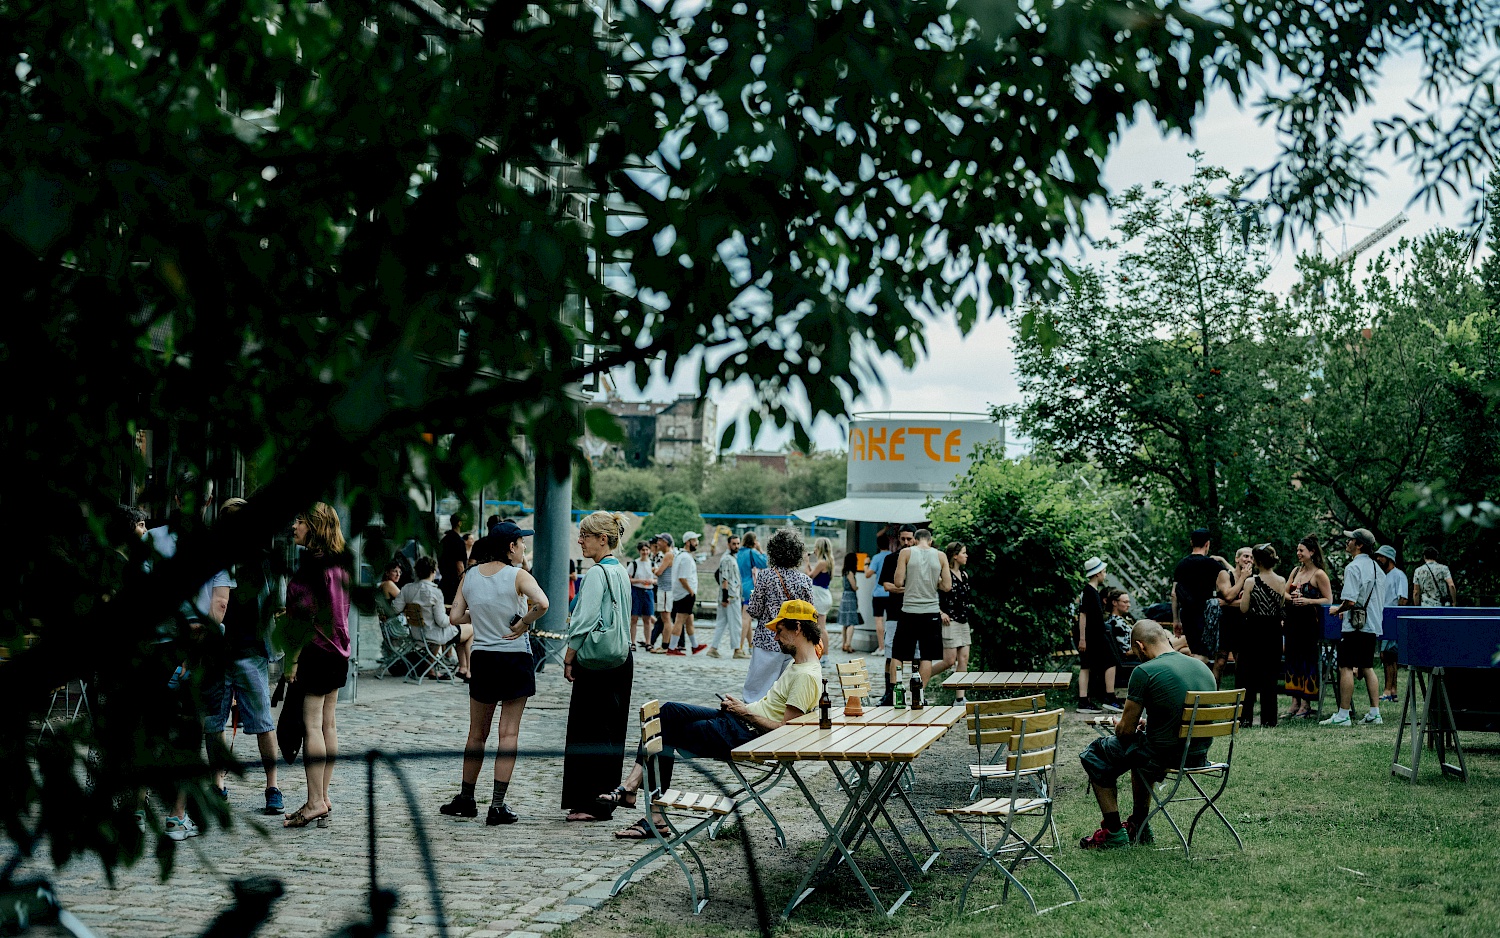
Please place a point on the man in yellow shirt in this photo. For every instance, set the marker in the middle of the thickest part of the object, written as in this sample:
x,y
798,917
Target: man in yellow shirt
x,y
713,734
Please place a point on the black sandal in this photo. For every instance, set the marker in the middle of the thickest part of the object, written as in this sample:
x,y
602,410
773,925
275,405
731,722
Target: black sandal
x,y
639,831
616,798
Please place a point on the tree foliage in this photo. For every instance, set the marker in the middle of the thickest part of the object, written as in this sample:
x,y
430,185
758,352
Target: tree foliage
x,y
623,489
815,478
1174,370
1028,533
743,489
674,514
331,238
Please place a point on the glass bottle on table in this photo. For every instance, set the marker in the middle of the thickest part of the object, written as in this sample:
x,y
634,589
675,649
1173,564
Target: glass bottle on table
x,y
825,721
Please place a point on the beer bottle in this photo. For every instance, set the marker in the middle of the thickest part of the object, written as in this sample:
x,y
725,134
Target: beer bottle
x,y
825,722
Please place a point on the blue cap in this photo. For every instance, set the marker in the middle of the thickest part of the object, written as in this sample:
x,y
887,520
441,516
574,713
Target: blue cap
x,y
509,529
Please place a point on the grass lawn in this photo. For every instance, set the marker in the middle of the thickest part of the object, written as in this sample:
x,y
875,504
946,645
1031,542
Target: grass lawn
x,y
1334,845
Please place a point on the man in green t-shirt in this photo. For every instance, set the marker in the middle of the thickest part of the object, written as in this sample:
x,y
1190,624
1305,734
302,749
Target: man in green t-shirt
x,y
1158,688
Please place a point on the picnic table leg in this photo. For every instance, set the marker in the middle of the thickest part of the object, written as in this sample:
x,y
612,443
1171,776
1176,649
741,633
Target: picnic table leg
x,y
863,822
834,841
890,822
772,781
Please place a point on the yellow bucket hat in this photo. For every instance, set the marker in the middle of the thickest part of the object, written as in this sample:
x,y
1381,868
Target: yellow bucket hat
x,y
794,609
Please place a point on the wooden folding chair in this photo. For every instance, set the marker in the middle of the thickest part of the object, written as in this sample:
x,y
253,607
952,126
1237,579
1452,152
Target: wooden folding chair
x,y
854,680
700,810
1205,715
990,726
1032,742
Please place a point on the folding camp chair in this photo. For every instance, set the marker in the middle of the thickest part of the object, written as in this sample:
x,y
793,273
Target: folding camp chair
x,y
989,725
431,658
1032,740
398,639
1205,714
699,810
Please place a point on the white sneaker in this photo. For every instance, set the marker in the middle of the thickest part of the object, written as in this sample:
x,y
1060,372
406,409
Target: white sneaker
x,y
1372,719
181,828
1338,719
714,653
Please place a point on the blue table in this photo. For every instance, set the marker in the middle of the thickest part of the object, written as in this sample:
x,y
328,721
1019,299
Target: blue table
x,y
1431,640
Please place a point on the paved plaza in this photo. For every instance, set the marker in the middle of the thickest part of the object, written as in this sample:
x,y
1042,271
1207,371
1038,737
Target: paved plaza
x,y
521,880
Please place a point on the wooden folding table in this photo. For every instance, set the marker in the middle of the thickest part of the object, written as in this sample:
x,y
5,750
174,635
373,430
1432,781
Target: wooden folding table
x,y
1009,681
878,755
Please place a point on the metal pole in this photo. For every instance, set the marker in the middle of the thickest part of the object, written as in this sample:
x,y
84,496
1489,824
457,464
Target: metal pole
x,y
553,543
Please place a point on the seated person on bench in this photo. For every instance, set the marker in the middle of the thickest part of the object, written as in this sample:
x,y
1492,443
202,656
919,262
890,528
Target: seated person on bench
x,y
1158,686
712,734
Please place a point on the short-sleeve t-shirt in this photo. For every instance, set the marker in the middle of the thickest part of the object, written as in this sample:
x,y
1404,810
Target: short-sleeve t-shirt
x,y
1160,686
684,568
1364,586
1433,578
877,563
888,575
1396,587
1197,577
749,560
799,686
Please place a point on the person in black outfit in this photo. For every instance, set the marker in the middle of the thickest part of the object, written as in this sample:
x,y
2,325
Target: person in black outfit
x,y
893,607
1197,577
453,557
1258,659
1098,654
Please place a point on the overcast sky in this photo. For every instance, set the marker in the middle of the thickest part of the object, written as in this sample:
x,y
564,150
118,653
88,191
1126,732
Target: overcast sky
x,y
969,373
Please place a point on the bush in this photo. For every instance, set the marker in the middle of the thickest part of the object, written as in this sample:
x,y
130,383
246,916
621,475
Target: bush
x,y
1028,536
674,513
626,489
747,489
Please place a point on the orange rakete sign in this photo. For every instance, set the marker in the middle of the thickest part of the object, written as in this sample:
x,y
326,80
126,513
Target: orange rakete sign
x,y
877,443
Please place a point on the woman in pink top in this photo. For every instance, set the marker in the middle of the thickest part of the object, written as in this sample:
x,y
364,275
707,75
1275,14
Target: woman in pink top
x,y
317,601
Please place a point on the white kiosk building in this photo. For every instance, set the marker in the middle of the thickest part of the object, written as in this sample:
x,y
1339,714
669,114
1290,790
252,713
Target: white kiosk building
x,y
897,461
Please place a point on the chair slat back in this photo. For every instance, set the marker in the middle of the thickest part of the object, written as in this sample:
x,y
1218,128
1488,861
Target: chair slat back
x,y
854,679
992,722
857,666
1207,714
1033,747
651,745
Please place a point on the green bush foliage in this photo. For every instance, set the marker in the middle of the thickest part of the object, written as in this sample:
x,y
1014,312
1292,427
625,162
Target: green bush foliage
x,y
674,513
1028,534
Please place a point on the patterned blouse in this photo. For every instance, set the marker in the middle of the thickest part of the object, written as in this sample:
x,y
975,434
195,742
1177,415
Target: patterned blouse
x,y
766,600
955,602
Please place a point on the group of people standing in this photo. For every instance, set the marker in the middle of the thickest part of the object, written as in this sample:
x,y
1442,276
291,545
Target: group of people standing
x,y
1273,623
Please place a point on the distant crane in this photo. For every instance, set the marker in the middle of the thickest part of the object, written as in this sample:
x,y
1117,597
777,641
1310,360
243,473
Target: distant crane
x,y
1373,238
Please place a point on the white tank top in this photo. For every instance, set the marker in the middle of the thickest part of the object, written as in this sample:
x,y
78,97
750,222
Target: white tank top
x,y
493,602
924,569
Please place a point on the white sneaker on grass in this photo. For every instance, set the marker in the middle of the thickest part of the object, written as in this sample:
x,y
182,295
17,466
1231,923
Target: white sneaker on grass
x,y
1338,719
1372,719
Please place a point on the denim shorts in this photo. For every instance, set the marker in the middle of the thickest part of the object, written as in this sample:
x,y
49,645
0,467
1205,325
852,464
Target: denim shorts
x,y
249,679
642,602
1107,758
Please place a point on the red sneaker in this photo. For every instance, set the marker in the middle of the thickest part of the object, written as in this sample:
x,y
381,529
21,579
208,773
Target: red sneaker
x,y
676,651
1102,839
698,648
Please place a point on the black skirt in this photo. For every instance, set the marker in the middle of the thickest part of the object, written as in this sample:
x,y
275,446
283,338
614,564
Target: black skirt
x,y
321,671
598,723
495,676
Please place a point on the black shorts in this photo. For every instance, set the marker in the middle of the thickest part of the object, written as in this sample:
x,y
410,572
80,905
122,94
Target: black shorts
x,y
501,675
1107,758
879,604
321,671
925,628
685,605
1192,630
1357,649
